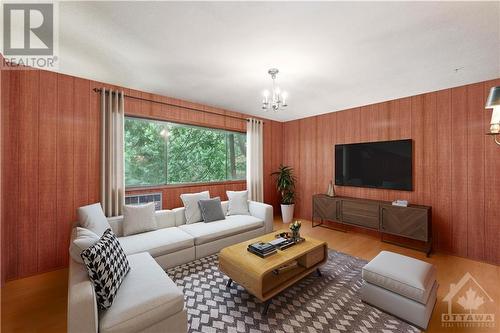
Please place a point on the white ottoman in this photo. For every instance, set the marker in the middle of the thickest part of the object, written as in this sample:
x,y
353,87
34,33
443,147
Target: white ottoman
x,y
402,286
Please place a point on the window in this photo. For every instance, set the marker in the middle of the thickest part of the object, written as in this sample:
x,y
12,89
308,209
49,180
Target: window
x,y
159,153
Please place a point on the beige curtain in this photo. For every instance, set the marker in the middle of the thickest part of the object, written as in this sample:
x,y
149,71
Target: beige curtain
x,y
255,163
112,152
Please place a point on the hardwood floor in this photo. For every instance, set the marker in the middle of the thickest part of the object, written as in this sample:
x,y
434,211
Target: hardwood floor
x,y
38,303
450,268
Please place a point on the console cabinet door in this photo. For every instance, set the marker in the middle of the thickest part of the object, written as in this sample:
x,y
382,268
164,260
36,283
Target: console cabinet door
x,y
326,208
362,213
404,221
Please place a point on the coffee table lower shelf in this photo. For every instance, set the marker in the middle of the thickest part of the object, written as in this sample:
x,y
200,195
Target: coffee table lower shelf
x,y
270,300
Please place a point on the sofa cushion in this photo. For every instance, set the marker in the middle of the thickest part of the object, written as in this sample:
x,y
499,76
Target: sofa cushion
x,y
157,242
92,217
190,202
83,239
403,275
146,297
234,224
211,210
139,218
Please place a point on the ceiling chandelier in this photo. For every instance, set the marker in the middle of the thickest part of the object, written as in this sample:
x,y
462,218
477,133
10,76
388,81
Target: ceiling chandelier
x,y
276,99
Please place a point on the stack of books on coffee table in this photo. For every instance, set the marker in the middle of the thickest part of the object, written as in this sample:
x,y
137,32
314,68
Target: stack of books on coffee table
x,y
262,249
282,243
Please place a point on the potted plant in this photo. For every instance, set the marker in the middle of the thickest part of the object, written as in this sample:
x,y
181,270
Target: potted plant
x,y
285,184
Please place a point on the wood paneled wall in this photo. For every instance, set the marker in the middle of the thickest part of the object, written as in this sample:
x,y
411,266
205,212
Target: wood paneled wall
x,y
456,166
50,154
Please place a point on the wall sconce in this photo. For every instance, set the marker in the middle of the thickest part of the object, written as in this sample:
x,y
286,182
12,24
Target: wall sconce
x,y
493,102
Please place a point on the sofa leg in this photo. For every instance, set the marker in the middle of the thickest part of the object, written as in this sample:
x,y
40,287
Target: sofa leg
x,y
229,283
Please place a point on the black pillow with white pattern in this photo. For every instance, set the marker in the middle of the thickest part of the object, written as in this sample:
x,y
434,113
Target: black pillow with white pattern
x,y
107,265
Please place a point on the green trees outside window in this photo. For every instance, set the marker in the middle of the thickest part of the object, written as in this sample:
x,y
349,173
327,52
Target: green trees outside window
x,y
159,153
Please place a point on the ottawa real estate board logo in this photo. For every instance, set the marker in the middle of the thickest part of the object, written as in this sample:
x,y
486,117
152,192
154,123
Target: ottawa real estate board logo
x,y
30,35
469,305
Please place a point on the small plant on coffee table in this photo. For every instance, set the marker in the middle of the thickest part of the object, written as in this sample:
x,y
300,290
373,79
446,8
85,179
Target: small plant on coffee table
x,y
295,228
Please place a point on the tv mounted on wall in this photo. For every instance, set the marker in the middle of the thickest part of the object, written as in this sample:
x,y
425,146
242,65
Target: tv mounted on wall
x,y
383,164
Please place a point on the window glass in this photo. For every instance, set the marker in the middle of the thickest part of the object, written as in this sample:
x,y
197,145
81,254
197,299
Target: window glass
x,y
158,153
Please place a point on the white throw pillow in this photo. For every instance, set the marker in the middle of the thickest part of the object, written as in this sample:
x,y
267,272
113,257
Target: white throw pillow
x,y
92,217
238,203
139,218
84,239
192,210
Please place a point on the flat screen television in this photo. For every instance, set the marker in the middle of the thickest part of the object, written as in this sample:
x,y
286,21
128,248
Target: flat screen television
x,y
383,164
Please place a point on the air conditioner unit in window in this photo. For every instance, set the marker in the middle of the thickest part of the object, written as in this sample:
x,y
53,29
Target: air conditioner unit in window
x,y
140,199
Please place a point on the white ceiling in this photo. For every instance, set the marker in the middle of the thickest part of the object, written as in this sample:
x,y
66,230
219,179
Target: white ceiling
x,y
331,55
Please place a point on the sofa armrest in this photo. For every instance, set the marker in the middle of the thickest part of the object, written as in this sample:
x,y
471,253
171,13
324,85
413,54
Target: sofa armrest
x,y
83,313
262,211
82,306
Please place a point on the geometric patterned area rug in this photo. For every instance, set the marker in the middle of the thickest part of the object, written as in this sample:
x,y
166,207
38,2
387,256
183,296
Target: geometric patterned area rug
x,y
327,303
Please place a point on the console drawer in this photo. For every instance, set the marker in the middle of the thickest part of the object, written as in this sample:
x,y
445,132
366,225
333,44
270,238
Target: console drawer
x,y
365,214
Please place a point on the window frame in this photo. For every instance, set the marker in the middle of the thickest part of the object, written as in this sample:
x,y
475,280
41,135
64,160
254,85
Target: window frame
x,y
179,185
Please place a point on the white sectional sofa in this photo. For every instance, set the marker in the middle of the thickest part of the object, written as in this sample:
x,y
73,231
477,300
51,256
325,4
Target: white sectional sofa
x,y
148,300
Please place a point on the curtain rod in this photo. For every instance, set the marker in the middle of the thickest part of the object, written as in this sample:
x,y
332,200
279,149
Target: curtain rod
x,y
98,90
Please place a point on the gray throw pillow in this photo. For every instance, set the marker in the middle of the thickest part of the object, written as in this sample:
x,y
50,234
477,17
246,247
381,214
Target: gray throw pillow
x,y
211,210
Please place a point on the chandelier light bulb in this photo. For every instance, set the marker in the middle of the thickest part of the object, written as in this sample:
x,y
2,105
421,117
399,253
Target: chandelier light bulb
x,y
284,96
265,93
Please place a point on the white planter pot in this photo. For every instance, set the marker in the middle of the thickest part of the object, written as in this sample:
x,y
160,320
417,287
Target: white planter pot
x,y
287,213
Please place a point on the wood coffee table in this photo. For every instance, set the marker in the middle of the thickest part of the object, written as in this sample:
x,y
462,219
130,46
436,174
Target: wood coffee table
x,y
266,277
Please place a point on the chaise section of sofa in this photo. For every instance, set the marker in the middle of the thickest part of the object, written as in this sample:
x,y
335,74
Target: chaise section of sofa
x,y
147,298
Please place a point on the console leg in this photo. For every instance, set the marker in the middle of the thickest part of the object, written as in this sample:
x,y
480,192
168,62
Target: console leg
x,y
318,272
229,282
266,307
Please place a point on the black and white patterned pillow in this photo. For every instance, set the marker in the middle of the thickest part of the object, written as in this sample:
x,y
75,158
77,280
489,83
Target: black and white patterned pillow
x,y
107,265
